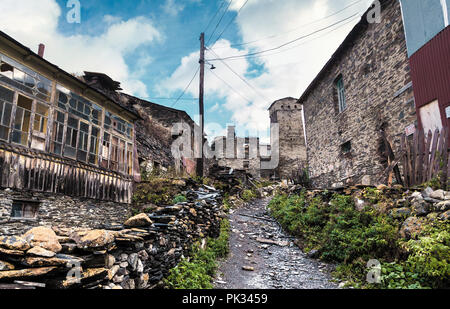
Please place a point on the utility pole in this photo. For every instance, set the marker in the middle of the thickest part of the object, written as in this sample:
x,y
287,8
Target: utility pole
x,y
200,162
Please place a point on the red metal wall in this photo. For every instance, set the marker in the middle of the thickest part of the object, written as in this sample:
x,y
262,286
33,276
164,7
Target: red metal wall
x,y
430,73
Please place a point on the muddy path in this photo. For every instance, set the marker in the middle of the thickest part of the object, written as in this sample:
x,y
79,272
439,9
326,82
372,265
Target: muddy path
x,y
262,256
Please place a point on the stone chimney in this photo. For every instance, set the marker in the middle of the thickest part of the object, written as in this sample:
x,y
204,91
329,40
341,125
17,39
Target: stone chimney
x,y
41,50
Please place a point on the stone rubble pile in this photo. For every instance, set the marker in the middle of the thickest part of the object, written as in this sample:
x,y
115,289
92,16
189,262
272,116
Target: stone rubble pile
x,y
135,255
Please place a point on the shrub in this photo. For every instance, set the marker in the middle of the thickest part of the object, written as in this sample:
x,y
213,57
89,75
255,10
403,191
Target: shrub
x,y
179,199
248,195
197,272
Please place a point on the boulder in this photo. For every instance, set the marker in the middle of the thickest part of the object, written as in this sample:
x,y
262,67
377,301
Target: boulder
x,y
43,237
14,243
427,192
411,227
400,212
442,206
38,251
421,207
445,215
6,266
59,260
438,194
139,220
25,273
93,239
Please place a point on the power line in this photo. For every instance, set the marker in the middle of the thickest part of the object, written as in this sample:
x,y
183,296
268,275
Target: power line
x,y
234,90
187,87
217,12
240,77
229,24
297,28
298,45
285,44
220,20
182,99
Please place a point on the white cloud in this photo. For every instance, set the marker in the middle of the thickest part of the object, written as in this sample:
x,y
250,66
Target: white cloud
x,y
172,8
103,53
286,73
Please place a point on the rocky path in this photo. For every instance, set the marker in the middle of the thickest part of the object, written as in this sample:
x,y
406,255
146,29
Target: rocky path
x,y
263,257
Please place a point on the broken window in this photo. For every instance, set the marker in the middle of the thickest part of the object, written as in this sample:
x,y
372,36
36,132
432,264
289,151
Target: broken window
x,y
25,79
105,150
130,158
341,94
6,103
70,148
57,134
24,210
22,121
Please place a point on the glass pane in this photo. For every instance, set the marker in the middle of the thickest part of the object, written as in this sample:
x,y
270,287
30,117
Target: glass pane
x,y
82,156
4,133
6,70
63,98
6,120
42,109
26,121
60,117
24,102
70,152
6,94
19,76
19,119
57,148
72,122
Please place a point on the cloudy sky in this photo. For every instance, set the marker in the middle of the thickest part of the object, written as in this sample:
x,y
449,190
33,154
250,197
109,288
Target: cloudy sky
x,y
152,48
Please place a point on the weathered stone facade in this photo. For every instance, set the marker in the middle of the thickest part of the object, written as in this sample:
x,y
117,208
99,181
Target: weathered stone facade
x,y
345,147
59,210
238,153
287,113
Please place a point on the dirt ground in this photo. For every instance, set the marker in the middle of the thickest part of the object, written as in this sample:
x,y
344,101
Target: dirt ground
x,y
281,265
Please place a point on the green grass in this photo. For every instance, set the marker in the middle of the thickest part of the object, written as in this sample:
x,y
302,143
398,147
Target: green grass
x,y
197,272
352,238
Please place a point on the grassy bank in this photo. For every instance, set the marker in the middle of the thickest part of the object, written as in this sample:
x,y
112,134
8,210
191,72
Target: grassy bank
x,y
197,271
351,237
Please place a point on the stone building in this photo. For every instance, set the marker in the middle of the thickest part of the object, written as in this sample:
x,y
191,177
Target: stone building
x,y
287,113
238,153
365,88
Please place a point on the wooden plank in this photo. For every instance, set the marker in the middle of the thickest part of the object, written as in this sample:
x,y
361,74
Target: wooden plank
x,y
427,156
421,157
434,145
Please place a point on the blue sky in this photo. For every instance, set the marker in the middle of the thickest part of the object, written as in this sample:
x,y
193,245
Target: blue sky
x,y
152,47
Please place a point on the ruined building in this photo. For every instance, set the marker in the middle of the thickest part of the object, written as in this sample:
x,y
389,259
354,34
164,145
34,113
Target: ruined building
x,y
287,113
364,90
238,153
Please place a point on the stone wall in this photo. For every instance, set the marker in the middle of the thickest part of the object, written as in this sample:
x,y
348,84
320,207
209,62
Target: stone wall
x,y
288,114
135,255
345,147
59,210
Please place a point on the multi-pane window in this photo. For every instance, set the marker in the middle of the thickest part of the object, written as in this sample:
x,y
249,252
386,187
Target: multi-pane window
x,y
83,138
130,159
114,158
40,126
93,147
22,121
78,106
58,133
105,150
6,103
70,147
24,210
341,94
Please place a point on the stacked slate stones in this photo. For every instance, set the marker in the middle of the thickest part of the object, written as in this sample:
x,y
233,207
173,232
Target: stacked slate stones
x,y
135,255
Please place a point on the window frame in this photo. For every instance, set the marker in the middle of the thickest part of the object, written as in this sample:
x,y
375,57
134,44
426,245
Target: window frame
x,y
340,90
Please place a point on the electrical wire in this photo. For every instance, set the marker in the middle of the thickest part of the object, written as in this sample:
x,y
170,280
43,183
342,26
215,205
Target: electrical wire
x,y
220,20
297,28
187,87
285,44
229,24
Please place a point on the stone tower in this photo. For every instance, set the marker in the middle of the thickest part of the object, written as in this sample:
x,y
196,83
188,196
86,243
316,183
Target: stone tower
x,y
288,114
